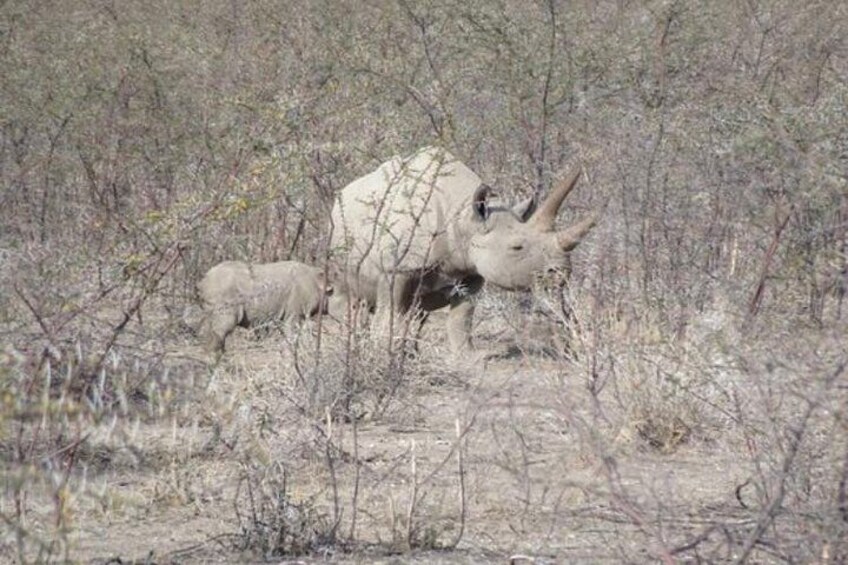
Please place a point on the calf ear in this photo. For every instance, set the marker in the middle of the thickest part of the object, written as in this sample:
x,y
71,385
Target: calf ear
x,y
525,209
479,202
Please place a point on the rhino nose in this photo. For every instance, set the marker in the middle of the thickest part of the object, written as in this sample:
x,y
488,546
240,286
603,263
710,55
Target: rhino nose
x,y
554,275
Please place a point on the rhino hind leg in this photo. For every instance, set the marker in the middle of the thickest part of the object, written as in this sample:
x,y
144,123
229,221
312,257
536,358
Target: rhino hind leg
x,y
397,313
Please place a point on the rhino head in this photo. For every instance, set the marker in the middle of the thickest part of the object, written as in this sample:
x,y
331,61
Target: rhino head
x,y
511,246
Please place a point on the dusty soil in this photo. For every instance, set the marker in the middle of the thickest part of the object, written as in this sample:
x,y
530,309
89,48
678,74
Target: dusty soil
x,y
537,486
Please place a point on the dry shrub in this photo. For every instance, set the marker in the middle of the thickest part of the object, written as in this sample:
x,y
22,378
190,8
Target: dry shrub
x,y
790,410
664,388
354,372
753,386
136,151
674,390
292,417
272,523
61,417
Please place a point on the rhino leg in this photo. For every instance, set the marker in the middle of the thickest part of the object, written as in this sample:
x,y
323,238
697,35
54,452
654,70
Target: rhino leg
x,y
220,325
461,313
290,321
396,306
337,305
387,306
459,322
347,309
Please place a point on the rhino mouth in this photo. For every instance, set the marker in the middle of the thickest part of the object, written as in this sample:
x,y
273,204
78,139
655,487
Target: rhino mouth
x,y
552,277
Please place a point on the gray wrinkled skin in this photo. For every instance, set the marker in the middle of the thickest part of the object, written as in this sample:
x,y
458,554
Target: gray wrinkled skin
x,y
424,233
235,293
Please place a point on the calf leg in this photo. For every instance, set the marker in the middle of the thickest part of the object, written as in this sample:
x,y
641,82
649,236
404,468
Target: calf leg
x,y
219,325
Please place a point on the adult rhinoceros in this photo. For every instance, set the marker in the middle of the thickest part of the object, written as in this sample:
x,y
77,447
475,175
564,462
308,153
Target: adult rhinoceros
x,y
422,233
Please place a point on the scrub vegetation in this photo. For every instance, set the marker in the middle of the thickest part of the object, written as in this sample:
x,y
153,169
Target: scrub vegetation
x,y
681,399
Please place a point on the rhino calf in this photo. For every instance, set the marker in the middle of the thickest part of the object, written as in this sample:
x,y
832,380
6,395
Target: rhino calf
x,y
235,293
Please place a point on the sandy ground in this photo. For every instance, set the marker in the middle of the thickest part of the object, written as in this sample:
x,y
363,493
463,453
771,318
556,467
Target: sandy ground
x,y
535,489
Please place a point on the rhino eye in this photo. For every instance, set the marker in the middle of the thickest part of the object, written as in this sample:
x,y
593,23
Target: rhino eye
x,y
516,247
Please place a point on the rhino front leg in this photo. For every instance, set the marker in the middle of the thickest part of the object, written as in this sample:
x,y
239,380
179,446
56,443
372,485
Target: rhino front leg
x,y
461,314
343,308
459,323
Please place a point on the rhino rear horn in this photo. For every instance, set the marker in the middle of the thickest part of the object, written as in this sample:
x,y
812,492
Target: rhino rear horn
x,y
545,217
525,209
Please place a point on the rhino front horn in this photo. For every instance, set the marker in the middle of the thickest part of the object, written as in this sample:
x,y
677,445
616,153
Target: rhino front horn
x,y
571,236
545,217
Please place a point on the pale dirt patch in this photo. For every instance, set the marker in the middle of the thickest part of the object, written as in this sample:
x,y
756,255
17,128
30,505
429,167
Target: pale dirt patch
x,y
531,484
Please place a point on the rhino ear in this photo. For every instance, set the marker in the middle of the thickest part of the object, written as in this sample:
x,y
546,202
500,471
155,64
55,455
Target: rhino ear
x,y
479,202
324,283
525,208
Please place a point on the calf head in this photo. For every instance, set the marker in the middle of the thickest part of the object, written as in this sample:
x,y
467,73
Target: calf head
x,y
510,247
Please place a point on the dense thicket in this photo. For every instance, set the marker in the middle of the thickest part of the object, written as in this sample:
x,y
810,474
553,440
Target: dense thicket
x,y
142,142
716,132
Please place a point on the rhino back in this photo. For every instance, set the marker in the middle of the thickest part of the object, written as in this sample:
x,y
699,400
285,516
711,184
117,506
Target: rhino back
x,y
272,286
225,284
308,292
304,291
398,218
